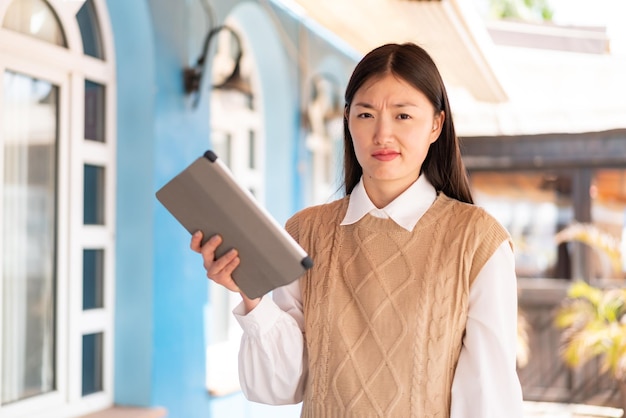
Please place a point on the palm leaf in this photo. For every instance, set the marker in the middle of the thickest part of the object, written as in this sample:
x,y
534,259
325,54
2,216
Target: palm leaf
x,y
594,325
596,238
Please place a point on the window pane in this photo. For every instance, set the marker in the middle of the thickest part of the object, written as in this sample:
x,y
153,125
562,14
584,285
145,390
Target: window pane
x,y
34,18
92,363
90,30
29,170
533,206
94,111
251,150
93,279
222,143
608,214
93,211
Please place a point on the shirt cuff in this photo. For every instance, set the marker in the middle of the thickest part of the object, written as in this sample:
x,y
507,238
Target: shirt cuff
x,y
259,320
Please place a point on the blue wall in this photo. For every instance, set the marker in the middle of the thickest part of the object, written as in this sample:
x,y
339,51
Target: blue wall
x,y
161,287
134,323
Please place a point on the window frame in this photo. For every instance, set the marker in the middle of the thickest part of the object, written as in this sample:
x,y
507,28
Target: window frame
x,y
68,68
60,80
581,153
236,123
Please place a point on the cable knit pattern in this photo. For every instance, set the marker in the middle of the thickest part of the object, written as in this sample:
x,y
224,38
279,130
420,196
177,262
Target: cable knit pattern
x,y
385,309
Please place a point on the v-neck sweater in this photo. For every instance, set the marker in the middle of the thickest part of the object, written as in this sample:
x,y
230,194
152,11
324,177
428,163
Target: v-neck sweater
x,y
385,308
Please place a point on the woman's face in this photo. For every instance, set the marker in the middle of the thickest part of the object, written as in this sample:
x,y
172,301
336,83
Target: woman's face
x,y
392,126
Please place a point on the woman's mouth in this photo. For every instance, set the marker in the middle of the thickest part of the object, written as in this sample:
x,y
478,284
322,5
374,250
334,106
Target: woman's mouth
x,y
385,155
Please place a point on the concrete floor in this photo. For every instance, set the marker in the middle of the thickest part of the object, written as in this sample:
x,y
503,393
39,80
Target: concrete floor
x,y
556,410
531,410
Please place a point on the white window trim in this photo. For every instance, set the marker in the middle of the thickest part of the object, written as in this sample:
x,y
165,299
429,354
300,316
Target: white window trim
x,y
52,399
222,376
68,68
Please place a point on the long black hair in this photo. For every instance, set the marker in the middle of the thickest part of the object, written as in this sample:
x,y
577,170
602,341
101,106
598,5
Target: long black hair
x,y
443,165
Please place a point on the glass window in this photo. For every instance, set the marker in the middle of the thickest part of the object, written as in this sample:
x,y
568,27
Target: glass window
x,y
222,144
93,279
539,210
90,30
252,142
92,363
34,18
29,140
533,206
41,318
607,234
94,111
237,138
93,211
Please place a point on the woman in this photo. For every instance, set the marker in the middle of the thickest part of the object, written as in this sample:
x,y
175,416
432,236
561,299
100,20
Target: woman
x,y
410,309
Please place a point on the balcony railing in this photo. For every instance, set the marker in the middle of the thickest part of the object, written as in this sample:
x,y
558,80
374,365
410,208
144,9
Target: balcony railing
x,y
546,377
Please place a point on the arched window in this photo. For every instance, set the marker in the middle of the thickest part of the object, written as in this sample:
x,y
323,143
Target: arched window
x,y
57,150
237,138
35,18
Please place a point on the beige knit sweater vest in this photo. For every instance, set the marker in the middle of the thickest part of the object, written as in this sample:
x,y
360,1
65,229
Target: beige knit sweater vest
x,y
385,309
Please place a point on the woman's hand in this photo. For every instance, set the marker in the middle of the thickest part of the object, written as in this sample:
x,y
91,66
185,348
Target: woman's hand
x,y
220,269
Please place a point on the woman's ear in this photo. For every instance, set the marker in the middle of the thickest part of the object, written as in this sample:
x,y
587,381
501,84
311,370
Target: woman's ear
x,y
438,121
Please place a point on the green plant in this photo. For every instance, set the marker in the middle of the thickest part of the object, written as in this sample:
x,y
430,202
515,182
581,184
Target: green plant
x,y
594,324
601,241
529,10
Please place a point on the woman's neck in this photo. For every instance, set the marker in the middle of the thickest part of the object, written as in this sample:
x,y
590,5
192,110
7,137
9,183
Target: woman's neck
x,y
383,192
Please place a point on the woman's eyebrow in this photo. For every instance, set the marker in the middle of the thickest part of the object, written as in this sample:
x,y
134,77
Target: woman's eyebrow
x,y
395,105
404,104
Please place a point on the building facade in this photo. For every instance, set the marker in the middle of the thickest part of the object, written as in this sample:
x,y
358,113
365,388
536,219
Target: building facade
x,y
103,302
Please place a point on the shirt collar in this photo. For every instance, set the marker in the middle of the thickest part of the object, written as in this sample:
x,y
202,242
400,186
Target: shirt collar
x,y
405,210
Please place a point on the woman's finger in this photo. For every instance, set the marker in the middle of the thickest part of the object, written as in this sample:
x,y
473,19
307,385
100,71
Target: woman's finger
x,y
231,266
196,241
219,269
217,266
209,248
224,276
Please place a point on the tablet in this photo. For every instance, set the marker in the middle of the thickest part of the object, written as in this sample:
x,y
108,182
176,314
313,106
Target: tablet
x,y
205,196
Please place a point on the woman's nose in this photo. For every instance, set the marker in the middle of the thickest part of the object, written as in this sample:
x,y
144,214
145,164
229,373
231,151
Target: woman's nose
x,y
383,131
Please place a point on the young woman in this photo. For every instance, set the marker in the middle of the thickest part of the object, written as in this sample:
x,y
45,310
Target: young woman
x,y
411,307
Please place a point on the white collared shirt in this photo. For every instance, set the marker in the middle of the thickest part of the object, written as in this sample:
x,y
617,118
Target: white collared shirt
x,y
405,210
485,383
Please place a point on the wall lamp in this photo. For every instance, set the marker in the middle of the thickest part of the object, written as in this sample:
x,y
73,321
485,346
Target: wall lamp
x,y
192,76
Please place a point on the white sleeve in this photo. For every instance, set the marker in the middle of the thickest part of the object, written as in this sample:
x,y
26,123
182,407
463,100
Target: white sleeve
x,y
485,383
272,358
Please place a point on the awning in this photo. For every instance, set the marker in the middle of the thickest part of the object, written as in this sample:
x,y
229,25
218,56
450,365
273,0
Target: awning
x,y
495,88
450,30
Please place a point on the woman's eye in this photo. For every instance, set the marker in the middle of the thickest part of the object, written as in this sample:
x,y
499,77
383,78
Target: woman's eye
x,y
403,116
364,115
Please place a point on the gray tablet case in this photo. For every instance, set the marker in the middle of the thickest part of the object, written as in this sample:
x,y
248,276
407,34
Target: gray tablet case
x,y
206,197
